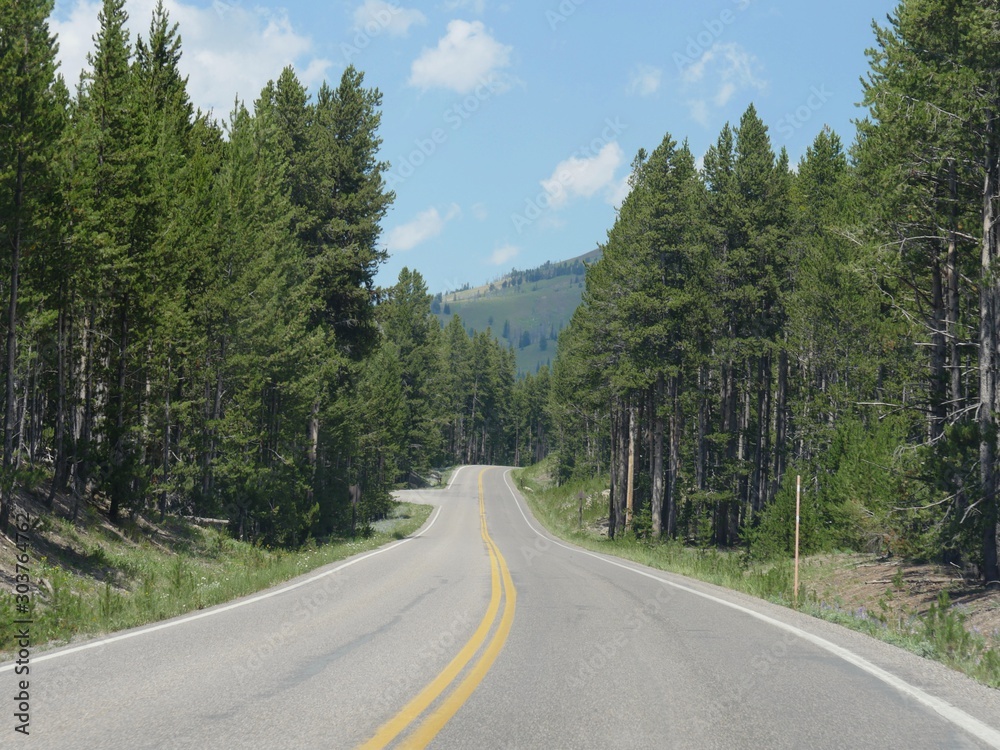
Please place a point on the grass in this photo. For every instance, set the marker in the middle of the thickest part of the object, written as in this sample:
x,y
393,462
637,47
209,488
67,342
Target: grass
x,y
939,635
112,585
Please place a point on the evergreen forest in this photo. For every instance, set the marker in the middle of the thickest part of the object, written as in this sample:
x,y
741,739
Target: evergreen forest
x,y
753,321
191,321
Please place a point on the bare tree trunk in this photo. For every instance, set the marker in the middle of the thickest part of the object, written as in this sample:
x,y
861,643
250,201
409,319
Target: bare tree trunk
x,y
701,467
633,428
938,375
59,469
730,428
165,478
780,423
675,456
117,403
989,339
313,445
742,504
763,481
953,304
656,504
988,352
10,366
86,460
615,484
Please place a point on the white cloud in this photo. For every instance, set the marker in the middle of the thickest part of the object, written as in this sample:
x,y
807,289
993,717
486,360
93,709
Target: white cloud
x,y
699,111
619,191
229,49
425,226
503,255
719,74
465,57
476,6
76,29
585,176
725,93
645,80
375,15
480,211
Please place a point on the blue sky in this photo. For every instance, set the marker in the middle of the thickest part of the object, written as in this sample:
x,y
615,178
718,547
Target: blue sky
x,y
510,126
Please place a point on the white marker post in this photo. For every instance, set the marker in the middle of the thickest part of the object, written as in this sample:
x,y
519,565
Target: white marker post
x,y
798,505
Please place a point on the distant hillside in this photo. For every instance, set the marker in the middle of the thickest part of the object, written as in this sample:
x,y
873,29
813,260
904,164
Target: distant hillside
x,y
525,308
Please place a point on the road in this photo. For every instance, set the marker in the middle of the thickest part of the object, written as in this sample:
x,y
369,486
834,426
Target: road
x,y
484,632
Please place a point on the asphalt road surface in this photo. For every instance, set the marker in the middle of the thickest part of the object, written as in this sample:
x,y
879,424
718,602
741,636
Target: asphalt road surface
x,y
484,632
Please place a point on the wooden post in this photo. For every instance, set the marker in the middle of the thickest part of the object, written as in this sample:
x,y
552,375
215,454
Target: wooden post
x,y
798,506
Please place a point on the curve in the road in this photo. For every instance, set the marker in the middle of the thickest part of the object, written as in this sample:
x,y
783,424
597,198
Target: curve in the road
x,y
955,715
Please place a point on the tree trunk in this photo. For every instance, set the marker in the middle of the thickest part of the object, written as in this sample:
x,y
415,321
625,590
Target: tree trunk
x,y
656,504
613,468
85,457
117,403
633,428
988,352
953,304
701,467
780,423
938,375
675,456
165,478
59,470
10,365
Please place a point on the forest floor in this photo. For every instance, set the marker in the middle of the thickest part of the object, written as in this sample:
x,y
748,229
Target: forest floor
x,y
901,592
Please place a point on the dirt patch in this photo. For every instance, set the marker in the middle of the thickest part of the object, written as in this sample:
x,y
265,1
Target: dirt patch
x,y
899,592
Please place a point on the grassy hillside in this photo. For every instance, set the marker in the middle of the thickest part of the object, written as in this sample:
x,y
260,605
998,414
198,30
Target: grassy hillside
x,y
525,308
89,577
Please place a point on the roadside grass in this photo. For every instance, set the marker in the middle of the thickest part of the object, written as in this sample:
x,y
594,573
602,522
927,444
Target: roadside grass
x,y
101,584
446,475
939,634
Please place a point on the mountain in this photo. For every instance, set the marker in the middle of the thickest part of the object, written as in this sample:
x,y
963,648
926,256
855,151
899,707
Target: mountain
x,y
527,309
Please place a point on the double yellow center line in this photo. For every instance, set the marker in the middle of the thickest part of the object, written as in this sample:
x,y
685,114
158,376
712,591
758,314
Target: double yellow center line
x,y
429,728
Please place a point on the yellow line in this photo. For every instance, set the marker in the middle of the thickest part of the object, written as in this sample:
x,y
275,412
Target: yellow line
x,y
434,723
412,710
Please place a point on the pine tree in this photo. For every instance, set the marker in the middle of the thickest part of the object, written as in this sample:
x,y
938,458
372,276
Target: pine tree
x,y
933,95
411,327
30,120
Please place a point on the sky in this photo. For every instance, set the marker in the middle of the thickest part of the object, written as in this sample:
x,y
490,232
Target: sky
x,y
509,126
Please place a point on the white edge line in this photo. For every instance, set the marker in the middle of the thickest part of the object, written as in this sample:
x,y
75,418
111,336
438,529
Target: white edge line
x,y
952,713
454,477
226,608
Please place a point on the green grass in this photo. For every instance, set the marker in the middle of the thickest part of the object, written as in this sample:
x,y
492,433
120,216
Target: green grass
x,y
940,635
127,585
